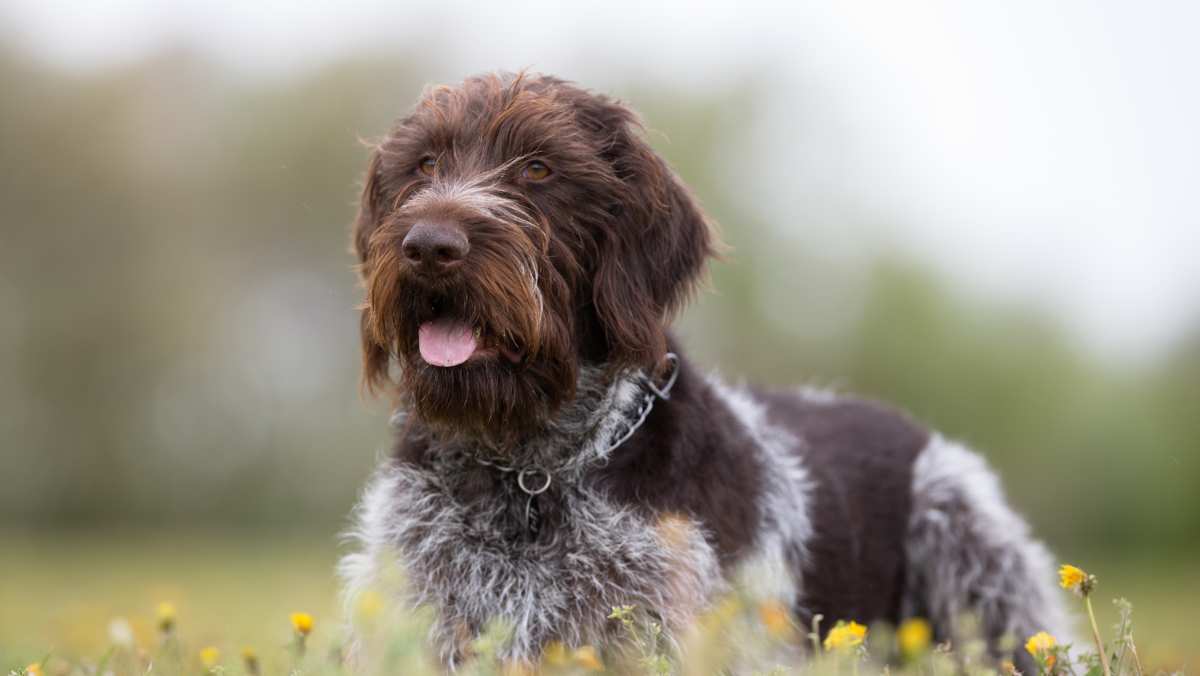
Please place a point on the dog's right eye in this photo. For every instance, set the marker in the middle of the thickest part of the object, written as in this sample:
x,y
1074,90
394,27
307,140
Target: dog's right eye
x,y
428,166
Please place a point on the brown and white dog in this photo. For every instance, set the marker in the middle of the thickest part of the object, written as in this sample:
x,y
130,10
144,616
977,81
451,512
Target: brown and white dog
x,y
523,251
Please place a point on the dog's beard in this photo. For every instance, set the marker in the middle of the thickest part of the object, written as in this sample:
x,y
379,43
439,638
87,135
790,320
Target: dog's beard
x,y
488,400
522,364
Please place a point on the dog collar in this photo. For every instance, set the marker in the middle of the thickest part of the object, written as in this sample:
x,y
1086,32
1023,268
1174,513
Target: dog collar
x,y
652,394
533,479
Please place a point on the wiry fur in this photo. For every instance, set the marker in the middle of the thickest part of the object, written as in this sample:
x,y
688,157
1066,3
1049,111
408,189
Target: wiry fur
x,y
468,559
786,525
970,557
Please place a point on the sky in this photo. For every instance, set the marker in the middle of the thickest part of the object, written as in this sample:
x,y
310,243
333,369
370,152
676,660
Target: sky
x,y
1030,151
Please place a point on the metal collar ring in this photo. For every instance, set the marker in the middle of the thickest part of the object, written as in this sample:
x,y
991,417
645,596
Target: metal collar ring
x,y
529,471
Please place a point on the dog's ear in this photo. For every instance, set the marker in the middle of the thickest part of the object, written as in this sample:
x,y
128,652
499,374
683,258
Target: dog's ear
x,y
654,254
370,208
376,359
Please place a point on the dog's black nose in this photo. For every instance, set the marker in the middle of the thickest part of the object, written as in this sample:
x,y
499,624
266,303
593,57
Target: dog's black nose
x,y
435,246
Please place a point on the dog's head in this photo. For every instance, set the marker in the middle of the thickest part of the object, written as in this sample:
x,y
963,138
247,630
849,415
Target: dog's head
x,y
513,228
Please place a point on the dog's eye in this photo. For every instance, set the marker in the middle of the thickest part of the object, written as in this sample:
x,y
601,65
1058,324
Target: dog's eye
x,y
535,171
428,166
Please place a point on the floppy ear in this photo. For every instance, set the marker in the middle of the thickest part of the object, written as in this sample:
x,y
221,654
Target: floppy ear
x,y
369,208
654,254
376,356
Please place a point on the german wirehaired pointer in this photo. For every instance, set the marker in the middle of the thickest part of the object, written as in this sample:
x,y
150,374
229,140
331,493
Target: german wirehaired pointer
x,y
523,251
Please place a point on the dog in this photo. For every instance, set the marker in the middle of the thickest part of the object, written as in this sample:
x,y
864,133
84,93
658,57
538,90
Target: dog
x,y
523,250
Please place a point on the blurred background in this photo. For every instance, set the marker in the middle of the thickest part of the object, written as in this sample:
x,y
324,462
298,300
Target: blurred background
x,y
982,212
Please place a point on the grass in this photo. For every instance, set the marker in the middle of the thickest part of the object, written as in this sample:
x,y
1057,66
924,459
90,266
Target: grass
x,y
61,593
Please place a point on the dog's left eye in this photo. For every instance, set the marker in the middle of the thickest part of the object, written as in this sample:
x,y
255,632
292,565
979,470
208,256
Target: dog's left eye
x,y
428,166
535,171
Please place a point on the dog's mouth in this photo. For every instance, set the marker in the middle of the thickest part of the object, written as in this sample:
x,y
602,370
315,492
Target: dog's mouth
x,y
446,340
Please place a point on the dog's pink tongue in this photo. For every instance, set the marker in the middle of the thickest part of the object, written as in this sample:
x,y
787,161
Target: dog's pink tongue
x,y
446,342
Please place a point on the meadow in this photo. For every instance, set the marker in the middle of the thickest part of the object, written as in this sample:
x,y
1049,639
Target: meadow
x,y
70,596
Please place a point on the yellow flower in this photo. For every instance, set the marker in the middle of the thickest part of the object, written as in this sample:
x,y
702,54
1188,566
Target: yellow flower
x,y
1071,577
302,623
586,658
210,656
776,619
34,669
845,635
166,616
1041,646
555,654
914,636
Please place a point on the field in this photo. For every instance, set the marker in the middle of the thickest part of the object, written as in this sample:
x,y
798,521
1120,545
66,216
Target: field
x,y
59,594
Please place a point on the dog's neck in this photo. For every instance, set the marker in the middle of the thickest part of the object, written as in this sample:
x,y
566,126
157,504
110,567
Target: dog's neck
x,y
479,545
580,434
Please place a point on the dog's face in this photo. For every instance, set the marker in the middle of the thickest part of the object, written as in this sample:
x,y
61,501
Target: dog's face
x,y
511,229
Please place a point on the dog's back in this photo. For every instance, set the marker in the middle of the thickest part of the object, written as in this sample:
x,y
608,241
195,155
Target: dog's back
x,y
859,457
909,525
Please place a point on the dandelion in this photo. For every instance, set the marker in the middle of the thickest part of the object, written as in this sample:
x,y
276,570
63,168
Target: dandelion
x,y
845,635
776,619
166,617
1041,646
1078,581
1074,579
250,661
34,669
302,623
914,636
209,657
586,658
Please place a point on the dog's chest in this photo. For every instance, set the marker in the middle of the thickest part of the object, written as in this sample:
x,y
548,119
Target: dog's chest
x,y
471,551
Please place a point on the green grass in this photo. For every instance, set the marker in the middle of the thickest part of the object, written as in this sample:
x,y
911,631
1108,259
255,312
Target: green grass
x,y
59,593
